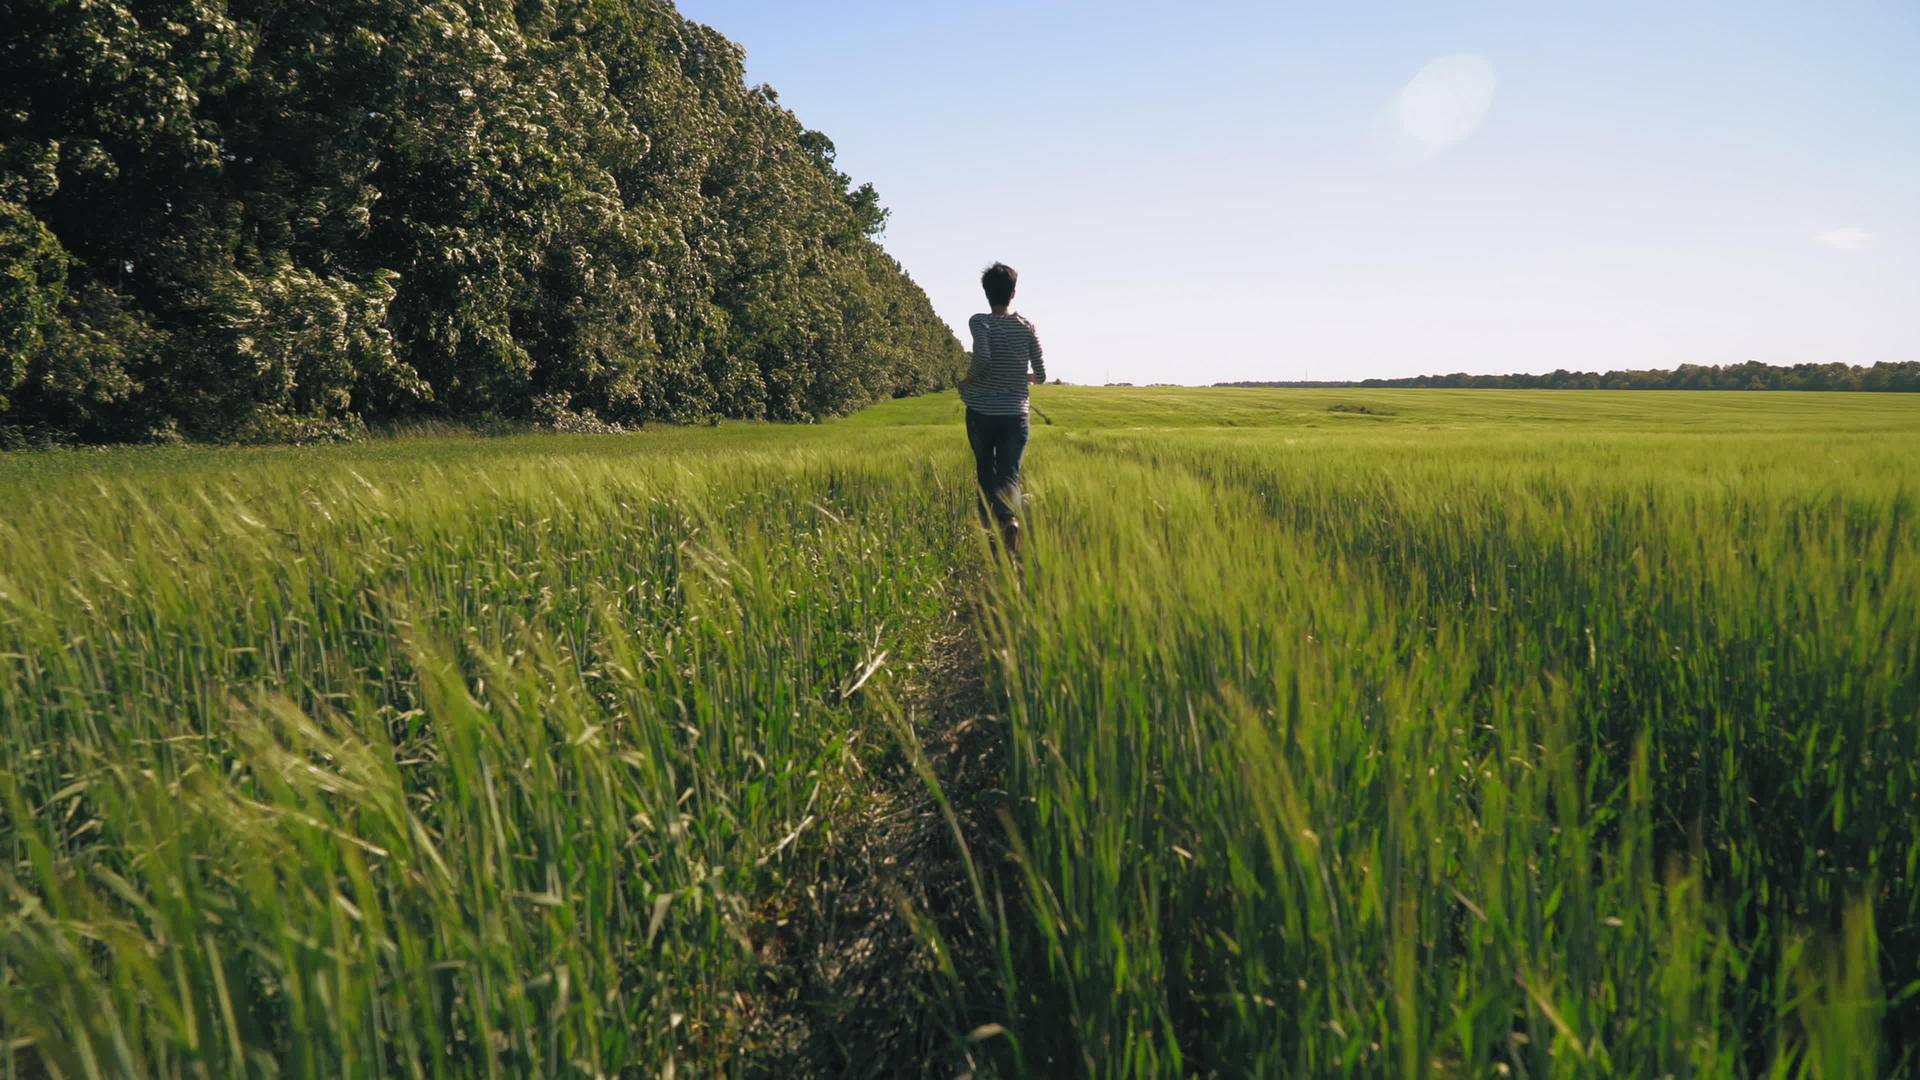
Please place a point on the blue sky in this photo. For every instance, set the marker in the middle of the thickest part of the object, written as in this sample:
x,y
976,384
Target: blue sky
x,y
1232,190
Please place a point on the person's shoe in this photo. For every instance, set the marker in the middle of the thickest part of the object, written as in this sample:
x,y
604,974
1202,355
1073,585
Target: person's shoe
x,y
1010,533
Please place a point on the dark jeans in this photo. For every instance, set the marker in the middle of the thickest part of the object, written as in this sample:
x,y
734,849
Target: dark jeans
x,y
998,442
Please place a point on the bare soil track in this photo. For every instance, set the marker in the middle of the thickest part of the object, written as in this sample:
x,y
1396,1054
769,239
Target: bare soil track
x,y
856,983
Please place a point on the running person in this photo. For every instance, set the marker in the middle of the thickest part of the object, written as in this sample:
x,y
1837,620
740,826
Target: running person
x,y
1006,358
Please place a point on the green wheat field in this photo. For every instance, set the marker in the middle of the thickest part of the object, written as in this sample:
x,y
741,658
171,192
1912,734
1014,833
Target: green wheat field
x,y
1414,733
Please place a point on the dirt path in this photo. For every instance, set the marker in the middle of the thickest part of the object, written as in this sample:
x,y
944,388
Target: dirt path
x,y
857,985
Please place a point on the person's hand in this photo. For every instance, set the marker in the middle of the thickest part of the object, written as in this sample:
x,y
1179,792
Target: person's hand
x,y
1033,377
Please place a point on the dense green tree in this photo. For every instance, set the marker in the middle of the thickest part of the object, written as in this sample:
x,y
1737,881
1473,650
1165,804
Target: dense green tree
x,y
1881,377
261,219
33,275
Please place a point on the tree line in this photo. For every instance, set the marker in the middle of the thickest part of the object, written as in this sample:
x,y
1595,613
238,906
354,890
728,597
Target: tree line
x,y
280,219
1884,377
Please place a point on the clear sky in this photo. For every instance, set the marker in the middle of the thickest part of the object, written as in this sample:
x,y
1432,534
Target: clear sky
x,y
1228,189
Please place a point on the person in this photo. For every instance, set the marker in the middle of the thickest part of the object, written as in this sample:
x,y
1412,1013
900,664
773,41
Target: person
x,y
1006,359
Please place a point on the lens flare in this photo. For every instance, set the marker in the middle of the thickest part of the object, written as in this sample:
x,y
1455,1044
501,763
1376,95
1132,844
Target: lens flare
x,y
1446,101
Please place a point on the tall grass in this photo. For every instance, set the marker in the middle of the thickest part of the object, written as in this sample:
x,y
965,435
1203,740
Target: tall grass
x,y
437,770
1471,734
1530,754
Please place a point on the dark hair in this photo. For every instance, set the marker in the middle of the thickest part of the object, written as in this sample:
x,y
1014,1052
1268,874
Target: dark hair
x,y
999,280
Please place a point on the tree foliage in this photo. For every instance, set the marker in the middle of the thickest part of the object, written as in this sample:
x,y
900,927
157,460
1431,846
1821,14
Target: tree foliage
x,y
1884,377
33,274
254,218
1748,376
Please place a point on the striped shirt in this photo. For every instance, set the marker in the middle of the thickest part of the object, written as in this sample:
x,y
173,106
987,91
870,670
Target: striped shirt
x,y
1003,348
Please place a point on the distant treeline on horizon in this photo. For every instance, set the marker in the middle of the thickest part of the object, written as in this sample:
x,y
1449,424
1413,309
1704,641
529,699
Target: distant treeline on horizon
x,y
1883,377
254,222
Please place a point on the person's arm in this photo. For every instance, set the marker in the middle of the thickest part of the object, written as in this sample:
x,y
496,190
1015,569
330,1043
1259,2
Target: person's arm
x,y
982,351
1039,373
